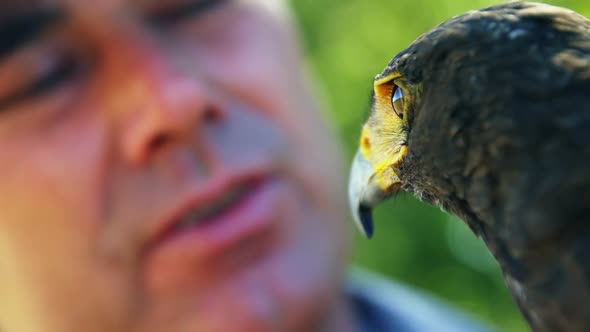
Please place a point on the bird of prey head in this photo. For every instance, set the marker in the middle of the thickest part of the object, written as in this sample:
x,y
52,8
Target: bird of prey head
x,y
488,116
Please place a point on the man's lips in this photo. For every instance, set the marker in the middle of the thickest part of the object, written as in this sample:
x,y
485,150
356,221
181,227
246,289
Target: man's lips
x,y
207,206
226,213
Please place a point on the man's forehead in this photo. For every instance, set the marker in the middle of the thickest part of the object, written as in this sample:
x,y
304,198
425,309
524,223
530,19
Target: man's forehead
x,y
11,8
7,6
22,5
28,4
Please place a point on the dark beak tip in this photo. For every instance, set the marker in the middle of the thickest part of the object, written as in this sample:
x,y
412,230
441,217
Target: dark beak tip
x,y
366,218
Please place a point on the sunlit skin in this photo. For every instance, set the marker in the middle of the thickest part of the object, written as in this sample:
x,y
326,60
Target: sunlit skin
x,y
153,109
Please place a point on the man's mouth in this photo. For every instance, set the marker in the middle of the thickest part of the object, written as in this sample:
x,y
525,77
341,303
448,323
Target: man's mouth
x,y
217,222
227,198
204,214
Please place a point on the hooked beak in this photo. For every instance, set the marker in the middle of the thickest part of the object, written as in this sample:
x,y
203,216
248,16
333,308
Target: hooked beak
x,y
367,188
363,193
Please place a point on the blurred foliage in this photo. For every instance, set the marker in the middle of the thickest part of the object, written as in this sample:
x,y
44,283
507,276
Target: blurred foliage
x,y
348,42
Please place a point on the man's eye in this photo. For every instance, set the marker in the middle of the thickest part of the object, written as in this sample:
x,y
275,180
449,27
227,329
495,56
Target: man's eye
x,y
397,102
61,72
185,10
54,76
18,30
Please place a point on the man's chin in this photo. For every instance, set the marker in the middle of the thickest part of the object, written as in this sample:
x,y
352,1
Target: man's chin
x,y
273,294
247,301
289,286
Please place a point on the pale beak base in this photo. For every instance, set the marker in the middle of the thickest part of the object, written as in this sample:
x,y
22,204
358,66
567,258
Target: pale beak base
x,y
364,193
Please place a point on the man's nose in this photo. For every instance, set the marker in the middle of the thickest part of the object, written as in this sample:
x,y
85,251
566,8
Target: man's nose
x,y
157,102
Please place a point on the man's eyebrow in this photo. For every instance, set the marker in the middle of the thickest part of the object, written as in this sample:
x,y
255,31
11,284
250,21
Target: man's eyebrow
x,y
23,26
171,10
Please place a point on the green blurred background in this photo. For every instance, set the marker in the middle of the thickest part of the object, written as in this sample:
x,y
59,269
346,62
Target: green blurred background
x,y
347,43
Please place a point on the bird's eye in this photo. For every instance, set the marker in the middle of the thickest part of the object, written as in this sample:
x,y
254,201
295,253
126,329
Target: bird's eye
x,y
397,102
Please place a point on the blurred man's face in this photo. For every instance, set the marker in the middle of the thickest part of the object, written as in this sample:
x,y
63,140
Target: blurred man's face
x,y
163,167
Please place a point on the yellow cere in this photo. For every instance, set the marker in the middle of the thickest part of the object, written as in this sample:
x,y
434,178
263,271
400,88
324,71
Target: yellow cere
x,y
383,135
385,176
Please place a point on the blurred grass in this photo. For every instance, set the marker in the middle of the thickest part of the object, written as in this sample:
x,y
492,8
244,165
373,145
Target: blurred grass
x,y
348,42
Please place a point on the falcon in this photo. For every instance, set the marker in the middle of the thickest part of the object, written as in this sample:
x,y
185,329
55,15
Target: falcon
x,y
487,115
